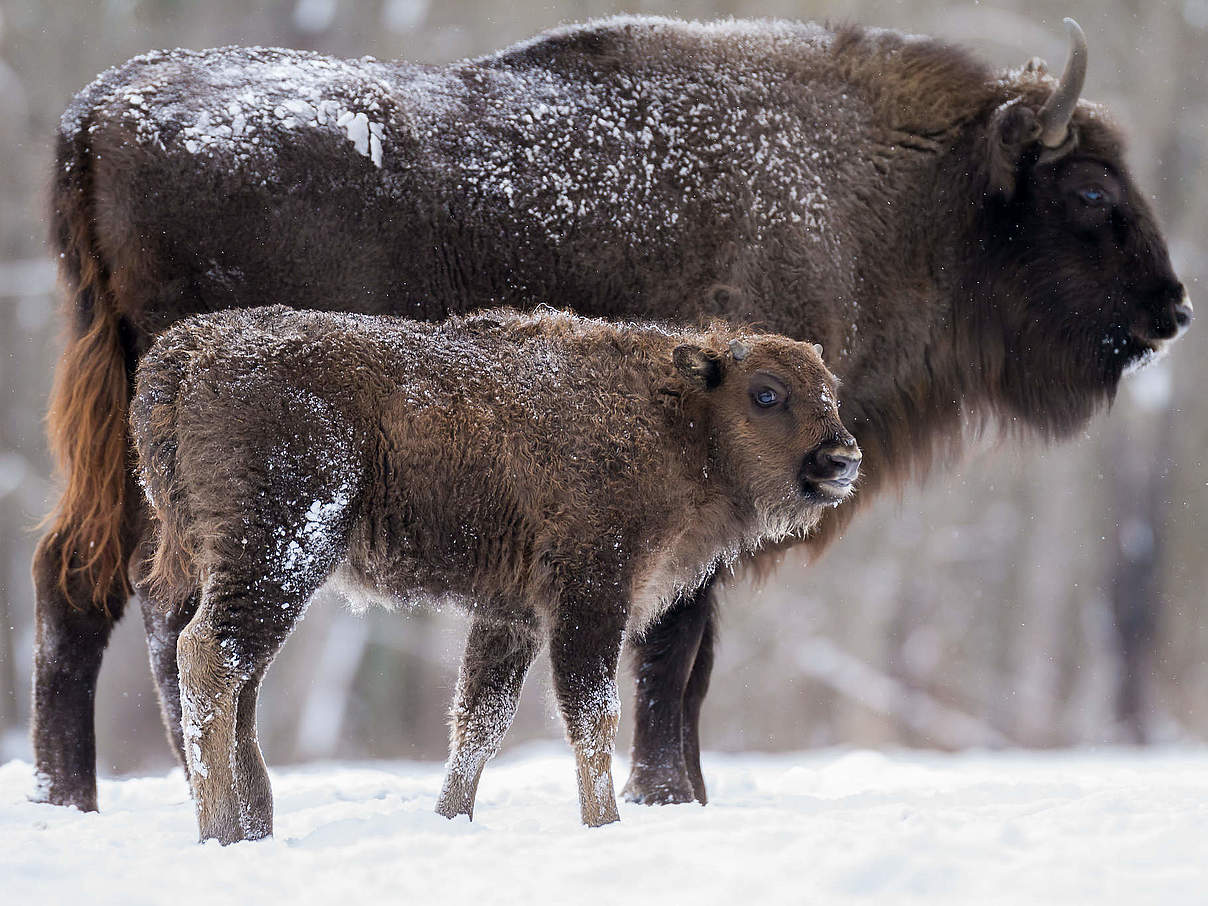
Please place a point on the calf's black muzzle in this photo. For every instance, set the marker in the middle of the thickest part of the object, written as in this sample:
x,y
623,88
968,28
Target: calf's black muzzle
x,y
832,466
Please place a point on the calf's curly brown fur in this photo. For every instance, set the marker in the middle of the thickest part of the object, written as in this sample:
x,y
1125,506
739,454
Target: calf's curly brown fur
x,y
563,478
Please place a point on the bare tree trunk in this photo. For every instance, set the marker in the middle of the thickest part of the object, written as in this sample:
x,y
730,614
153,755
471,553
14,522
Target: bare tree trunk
x,y
1140,471
9,516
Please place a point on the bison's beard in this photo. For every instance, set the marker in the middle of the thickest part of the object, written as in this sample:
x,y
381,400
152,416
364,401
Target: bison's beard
x,y
1055,377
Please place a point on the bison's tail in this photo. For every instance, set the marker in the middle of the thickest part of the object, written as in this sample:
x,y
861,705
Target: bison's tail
x,y
172,574
86,421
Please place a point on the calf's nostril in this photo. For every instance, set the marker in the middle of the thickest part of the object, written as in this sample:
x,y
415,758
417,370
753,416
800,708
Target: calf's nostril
x,y
832,465
845,465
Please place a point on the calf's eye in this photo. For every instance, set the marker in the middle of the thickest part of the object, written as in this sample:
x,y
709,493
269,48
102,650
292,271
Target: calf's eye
x,y
766,397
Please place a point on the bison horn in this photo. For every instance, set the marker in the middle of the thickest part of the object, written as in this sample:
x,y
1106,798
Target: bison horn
x,y
739,350
1057,111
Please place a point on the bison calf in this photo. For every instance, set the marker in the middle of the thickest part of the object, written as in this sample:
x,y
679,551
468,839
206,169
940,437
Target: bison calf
x,y
563,478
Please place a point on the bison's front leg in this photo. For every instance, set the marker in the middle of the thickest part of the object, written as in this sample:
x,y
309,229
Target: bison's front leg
x,y
497,658
671,665
584,647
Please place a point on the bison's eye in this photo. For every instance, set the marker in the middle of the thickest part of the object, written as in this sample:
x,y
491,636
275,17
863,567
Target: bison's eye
x,y
766,397
1094,196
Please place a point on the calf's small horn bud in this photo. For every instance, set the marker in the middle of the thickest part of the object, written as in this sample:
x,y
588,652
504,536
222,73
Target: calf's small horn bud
x,y
818,349
739,350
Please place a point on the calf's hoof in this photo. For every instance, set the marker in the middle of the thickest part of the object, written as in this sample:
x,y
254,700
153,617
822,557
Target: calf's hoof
x,y
457,796
227,834
452,808
655,786
599,814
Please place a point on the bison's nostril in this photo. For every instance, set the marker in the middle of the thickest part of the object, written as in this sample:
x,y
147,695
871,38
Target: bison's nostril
x,y
1183,313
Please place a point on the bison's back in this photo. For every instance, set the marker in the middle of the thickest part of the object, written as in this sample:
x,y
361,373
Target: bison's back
x,y
624,168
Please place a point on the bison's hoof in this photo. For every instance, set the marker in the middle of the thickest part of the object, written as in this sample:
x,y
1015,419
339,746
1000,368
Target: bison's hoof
x,y
655,787
68,795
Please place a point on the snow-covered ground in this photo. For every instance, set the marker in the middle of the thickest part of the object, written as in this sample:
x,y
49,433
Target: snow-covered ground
x,y
1101,827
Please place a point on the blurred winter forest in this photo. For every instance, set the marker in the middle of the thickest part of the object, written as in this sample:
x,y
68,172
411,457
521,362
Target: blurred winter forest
x,y
1034,597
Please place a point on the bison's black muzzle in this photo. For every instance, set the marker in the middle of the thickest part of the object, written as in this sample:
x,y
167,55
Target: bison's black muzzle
x,y
1167,319
1159,327
831,468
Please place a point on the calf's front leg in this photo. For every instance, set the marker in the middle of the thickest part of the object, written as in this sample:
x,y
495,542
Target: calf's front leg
x,y
584,648
497,658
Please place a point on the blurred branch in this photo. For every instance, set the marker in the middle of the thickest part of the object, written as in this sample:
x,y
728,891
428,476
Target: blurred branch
x,y
826,662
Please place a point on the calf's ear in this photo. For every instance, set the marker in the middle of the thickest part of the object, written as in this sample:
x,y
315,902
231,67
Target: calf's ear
x,y
700,366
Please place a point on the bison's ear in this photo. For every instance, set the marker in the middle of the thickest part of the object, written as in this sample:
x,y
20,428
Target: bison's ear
x,y
700,366
1014,129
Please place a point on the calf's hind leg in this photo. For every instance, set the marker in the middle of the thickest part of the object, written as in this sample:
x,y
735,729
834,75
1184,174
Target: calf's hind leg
x,y
253,789
162,626
163,629
497,658
223,654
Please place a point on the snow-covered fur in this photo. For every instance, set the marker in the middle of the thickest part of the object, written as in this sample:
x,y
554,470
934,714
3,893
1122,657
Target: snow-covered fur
x,y
882,194
566,479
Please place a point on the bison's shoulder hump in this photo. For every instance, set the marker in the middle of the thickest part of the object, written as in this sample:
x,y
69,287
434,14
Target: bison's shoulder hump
x,y
642,42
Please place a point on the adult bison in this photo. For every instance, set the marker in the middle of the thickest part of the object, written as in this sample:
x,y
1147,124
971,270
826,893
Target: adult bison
x,y
963,242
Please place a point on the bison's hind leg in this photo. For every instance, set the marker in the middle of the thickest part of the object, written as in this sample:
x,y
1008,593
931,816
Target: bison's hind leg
x,y
71,638
72,632
497,658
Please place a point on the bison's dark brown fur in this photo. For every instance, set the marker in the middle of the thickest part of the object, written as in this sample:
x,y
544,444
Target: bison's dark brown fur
x,y
565,478
888,196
